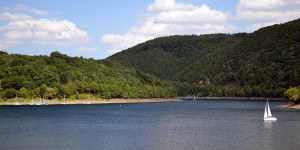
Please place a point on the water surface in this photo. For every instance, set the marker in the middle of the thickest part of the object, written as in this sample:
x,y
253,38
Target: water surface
x,y
190,125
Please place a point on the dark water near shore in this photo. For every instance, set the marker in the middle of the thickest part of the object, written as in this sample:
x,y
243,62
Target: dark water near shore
x,y
189,125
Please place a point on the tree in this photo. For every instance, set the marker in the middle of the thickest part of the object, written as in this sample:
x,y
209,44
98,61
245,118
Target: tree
x,y
43,88
60,91
50,93
3,54
23,92
37,91
10,93
1,89
71,88
293,93
15,82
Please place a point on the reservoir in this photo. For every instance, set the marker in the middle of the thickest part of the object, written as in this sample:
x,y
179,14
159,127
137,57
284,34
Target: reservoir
x,y
185,125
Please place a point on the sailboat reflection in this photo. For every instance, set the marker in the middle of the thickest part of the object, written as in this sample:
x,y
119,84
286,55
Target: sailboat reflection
x,y
268,124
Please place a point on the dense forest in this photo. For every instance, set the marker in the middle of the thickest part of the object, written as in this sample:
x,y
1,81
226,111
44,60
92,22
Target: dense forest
x,y
263,63
60,76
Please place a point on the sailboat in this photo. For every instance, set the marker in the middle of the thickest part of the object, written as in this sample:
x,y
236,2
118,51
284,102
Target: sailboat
x,y
268,114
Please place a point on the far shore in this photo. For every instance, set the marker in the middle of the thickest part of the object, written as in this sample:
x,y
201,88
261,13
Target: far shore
x,y
94,101
120,101
154,100
292,107
234,98
297,106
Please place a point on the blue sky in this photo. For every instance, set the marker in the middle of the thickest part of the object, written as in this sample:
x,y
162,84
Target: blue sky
x,y
98,28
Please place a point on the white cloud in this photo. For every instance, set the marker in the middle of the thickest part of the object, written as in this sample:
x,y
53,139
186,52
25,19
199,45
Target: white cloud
x,y
87,49
119,42
26,8
168,5
22,29
256,26
42,31
261,13
195,15
166,17
2,47
17,16
260,4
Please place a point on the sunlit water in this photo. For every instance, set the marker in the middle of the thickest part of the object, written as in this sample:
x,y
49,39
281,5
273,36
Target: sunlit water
x,y
187,125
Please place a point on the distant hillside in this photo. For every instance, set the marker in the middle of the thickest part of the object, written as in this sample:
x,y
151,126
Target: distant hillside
x,y
263,63
164,57
60,75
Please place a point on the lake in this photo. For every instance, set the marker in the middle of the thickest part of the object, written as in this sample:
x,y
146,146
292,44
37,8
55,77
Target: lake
x,y
186,125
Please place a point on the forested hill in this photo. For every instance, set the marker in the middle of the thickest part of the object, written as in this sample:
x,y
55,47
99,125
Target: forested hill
x,y
165,57
58,76
262,63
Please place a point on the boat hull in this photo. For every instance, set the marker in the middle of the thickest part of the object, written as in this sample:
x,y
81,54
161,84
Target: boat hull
x,y
270,119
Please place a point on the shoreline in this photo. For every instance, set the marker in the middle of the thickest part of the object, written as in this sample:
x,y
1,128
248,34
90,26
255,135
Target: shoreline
x,y
126,101
92,101
133,101
290,107
234,98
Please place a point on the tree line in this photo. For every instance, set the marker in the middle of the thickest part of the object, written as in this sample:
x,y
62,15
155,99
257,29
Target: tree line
x,y
59,76
293,94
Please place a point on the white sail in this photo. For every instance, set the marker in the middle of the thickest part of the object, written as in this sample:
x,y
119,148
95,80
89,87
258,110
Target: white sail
x,y
268,114
265,114
269,111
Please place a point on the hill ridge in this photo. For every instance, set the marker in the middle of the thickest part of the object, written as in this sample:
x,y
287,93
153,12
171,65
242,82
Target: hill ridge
x,y
262,63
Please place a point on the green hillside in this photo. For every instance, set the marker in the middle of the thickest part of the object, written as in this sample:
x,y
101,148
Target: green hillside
x,y
58,76
263,63
164,57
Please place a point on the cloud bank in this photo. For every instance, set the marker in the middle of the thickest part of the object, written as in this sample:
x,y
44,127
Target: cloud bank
x,y
26,8
261,13
22,29
167,17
